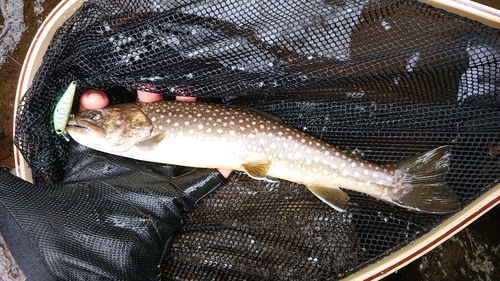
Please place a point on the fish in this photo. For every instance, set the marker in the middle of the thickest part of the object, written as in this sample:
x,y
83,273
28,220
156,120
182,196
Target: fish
x,y
62,111
208,135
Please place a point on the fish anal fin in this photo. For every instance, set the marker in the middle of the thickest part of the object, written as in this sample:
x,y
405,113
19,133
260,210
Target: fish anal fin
x,y
150,143
334,197
257,171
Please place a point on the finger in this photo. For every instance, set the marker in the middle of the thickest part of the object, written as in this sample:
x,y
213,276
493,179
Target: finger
x,y
225,172
185,99
93,99
148,96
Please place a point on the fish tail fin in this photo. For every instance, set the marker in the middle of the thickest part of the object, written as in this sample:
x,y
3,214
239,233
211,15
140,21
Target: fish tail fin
x,y
425,189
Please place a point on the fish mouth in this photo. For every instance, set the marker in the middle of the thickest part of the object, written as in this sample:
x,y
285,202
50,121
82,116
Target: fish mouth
x,y
73,124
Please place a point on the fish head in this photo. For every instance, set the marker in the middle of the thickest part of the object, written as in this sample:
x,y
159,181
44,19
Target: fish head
x,y
112,129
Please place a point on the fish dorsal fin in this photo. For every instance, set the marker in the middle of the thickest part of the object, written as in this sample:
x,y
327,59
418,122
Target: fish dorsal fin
x,y
256,170
334,197
150,143
264,114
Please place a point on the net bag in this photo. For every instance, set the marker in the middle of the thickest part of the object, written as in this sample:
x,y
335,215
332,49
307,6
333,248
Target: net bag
x,y
383,79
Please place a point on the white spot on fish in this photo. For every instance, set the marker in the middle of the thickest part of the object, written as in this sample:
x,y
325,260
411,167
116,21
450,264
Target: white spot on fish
x,y
365,172
344,173
262,141
186,123
273,145
298,154
219,131
316,159
176,124
356,174
191,131
342,165
161,127
354,164
308,161
153,119
231,133
251,135
209,130
285,145
200,126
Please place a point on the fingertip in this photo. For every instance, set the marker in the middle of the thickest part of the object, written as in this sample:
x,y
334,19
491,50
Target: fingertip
x,y
225,172
93,99
148,96
185,99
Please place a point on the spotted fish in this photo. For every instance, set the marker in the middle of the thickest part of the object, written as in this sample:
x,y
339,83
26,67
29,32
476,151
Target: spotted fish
x,y
216,136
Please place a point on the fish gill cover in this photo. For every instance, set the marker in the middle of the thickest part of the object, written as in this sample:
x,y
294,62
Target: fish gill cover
x,y
384,79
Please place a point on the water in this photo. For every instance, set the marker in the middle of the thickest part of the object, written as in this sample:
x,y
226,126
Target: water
x,y
13,27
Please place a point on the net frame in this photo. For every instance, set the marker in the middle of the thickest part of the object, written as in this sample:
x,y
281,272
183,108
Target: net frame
x,y
465,218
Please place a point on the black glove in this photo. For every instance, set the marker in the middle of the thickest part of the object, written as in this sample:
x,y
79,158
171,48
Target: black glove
x,y
112,218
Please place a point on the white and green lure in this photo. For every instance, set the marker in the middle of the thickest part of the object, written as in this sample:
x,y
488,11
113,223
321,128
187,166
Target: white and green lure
x,y
62,111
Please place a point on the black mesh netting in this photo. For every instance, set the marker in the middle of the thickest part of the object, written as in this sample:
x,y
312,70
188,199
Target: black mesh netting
x,y
387,79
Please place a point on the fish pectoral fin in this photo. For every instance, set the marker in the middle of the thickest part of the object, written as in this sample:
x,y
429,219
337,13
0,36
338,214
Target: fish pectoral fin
x,y
256,171
334,197
150,143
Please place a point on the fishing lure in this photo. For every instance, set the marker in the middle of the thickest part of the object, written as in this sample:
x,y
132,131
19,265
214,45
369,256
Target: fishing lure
x,y
62,111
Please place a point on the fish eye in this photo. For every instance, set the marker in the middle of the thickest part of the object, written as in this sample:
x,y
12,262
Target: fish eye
x,y
94,115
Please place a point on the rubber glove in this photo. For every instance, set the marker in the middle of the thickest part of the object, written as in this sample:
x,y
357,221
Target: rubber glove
x,y
112,218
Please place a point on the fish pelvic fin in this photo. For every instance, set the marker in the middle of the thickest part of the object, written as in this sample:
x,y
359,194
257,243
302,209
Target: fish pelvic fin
x,y
423,183
256,171
334,197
